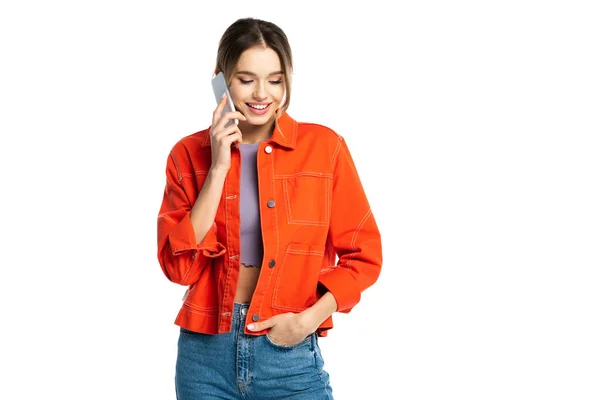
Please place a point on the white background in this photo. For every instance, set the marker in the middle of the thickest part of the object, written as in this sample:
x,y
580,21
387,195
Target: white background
x,y
474,125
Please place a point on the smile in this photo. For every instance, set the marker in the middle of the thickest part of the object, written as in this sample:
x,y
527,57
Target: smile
x,y
258,106
259,109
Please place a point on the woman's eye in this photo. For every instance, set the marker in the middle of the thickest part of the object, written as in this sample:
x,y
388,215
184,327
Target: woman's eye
x,y
245,82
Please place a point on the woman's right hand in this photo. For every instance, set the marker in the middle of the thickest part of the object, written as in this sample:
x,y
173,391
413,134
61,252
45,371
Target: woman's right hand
x,y
221,138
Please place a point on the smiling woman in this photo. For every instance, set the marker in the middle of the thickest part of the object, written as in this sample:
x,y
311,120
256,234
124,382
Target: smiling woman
x,y
257,89
281,196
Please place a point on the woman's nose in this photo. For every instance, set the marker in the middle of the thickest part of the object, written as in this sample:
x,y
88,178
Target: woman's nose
x,y
260,92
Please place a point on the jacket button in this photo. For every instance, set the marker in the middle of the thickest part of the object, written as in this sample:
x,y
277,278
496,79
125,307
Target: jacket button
x,y
271,203
268,149
271,263
255,317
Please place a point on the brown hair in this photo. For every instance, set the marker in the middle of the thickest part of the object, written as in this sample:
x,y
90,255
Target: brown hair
x,y
250,32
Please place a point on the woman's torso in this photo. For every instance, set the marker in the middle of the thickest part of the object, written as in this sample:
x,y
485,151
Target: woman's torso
x,y
246,283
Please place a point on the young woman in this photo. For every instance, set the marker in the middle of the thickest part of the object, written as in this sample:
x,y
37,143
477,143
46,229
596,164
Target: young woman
x,y
268,224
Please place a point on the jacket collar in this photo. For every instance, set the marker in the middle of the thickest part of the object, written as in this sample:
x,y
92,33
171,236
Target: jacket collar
x,y
284,134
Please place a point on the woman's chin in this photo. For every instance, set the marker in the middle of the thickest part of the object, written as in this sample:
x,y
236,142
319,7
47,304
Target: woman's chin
x,y
255,120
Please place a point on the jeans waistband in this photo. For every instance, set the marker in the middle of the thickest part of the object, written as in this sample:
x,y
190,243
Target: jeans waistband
x,y
240,310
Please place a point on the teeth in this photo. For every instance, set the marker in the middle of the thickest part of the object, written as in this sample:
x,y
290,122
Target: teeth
x,y
258,107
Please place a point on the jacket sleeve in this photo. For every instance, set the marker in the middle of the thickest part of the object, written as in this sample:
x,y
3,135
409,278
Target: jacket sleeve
x,y
180,257
354,235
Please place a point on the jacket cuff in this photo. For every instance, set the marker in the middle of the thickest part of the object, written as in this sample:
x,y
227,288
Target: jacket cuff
x,y
183,238
342,286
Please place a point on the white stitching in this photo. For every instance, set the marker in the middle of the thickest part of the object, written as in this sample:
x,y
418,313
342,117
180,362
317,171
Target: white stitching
x,y
353,242
325,221
226,244
337,151
277,235
176,164
304,173
167,217
275,211
307,252
286,196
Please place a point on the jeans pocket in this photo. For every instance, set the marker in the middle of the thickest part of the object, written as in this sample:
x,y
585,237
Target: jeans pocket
x,y
304,342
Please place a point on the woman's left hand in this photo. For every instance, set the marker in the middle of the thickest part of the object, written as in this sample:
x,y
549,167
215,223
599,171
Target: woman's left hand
x,y
287,329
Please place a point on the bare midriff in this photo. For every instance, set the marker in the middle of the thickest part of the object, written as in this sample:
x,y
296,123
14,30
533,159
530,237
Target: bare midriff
x,y
246,283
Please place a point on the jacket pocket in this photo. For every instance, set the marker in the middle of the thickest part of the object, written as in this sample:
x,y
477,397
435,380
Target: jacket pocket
x,y
307,198
298,277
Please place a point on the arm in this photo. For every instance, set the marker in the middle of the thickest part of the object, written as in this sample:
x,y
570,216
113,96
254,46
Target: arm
x,y
355,237
204,210
187,240
315,315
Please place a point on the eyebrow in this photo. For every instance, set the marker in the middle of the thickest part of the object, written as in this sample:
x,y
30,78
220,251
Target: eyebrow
x,y
253,74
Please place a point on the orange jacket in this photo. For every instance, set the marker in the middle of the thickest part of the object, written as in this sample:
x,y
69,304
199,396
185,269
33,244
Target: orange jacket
x,y
313,211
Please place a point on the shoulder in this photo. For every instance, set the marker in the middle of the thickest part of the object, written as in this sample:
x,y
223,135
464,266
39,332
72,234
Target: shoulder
x,y
191,143
313,128
318,134
189,155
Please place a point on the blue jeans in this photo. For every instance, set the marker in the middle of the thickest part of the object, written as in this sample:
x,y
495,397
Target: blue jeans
x,y
238,366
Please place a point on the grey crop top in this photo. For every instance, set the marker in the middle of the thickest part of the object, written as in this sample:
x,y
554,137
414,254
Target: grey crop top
x,y
250,230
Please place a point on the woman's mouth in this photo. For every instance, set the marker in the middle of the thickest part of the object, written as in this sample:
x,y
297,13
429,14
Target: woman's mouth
x,y
259,109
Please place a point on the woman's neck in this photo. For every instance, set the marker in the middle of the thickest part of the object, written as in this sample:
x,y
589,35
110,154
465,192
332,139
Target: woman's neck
x,y
253,133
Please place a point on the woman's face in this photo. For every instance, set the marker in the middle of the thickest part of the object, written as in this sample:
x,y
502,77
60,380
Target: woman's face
x,y
257,85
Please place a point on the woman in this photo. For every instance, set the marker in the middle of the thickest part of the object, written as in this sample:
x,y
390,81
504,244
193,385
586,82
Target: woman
x,y
252,220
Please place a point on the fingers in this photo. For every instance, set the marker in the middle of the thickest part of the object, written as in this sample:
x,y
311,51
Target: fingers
x,y
229,116
231,139
227,137
259,326
219,126
219,109
219,134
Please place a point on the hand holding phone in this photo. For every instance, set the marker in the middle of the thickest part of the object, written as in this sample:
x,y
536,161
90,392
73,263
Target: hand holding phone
x,y
224,131
220,89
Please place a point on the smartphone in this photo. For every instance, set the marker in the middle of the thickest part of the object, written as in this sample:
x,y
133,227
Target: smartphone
x,y
219,86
